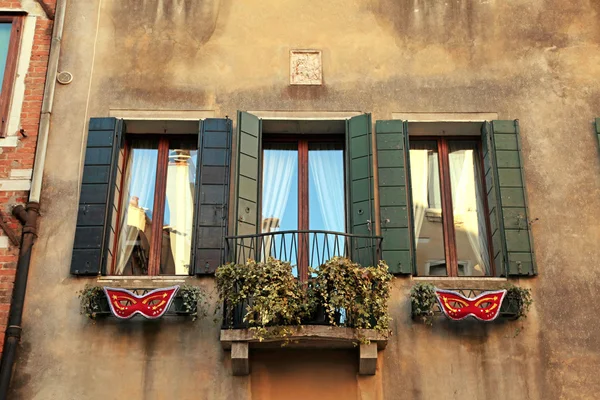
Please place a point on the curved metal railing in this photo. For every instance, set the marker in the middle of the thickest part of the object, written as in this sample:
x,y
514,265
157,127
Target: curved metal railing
x,y
304,247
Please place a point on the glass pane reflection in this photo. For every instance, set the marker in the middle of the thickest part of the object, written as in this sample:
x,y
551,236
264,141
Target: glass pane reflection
x,y
179,208
427,208
468,209
135,224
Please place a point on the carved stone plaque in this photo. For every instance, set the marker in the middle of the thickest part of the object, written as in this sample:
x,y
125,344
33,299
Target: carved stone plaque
x,y
306,67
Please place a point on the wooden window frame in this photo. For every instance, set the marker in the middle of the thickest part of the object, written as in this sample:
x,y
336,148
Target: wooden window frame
x,y
10,71
446,199
160,196
302,142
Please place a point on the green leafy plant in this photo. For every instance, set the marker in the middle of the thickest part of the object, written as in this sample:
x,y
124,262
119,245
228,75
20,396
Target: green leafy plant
x,y
269,293
423,300
521,296
353,295
89,300
195,303
273,300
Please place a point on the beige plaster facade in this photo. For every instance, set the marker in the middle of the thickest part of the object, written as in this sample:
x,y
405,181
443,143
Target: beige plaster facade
x,y
536,60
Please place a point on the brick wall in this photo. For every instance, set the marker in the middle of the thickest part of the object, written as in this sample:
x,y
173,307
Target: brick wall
x,y
16,162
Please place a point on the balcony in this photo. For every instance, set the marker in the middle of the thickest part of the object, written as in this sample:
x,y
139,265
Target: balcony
x,y
308,253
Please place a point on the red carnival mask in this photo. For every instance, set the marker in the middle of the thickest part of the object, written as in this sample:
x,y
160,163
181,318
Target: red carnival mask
x,y
484,307
125,304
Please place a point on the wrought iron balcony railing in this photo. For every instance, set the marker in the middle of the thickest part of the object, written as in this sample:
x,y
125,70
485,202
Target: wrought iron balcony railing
x,y
303,248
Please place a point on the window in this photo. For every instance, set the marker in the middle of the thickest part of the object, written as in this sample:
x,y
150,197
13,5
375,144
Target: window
x,y
303,189
449,207
10,29
155,195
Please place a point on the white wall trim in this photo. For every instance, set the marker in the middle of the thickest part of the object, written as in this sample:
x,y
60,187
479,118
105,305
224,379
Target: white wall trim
x,y
18,94
445,117
10,185
161,115
306,115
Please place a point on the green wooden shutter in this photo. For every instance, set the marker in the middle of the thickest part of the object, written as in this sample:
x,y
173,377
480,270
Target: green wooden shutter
x,y
248,174
507,199
212,194
90,248
394,208
361,175
360,196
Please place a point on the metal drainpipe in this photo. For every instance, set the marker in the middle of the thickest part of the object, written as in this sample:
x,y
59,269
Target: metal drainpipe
x,y
28,215
13,331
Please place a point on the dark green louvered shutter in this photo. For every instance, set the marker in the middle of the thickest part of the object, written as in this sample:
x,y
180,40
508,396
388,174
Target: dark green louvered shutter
x,y
212,193
90,248
507,199
360,178
247,174
394,208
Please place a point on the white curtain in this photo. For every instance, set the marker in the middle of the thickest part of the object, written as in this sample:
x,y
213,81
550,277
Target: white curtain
x,y
419,174
278,169
180,203
327,173
138,202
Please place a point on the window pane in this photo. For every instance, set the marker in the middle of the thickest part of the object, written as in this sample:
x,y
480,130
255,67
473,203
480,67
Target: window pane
x,y
468,209
326,200
177,232
427,208
135,223
5,28
280,200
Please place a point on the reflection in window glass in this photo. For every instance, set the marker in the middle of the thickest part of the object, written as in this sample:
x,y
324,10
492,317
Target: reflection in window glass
x,y
179,209
138,203
5,28
468,209
427,209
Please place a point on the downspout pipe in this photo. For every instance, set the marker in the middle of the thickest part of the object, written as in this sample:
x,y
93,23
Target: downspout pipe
x,y
13,330
29,215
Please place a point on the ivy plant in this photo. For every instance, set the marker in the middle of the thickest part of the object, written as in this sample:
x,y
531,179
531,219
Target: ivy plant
x,y
423,300
521,296
269,293
272,299
195,303
353,295
89,300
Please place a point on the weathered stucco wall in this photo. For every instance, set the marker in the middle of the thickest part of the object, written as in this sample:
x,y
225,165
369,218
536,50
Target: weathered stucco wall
x,y
535,60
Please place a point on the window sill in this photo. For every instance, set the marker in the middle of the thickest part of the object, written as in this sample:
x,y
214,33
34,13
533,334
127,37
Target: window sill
x,y
462,282
239,341
150,282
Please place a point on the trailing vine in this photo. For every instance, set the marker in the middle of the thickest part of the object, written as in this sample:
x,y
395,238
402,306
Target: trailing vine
x,y
521,296
194,299
89,300
272,299
269,294
423,300
354,296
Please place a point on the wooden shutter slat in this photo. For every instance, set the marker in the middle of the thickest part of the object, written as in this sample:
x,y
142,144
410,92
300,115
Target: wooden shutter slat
x,y
90,245
212,195
512,241
392,157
